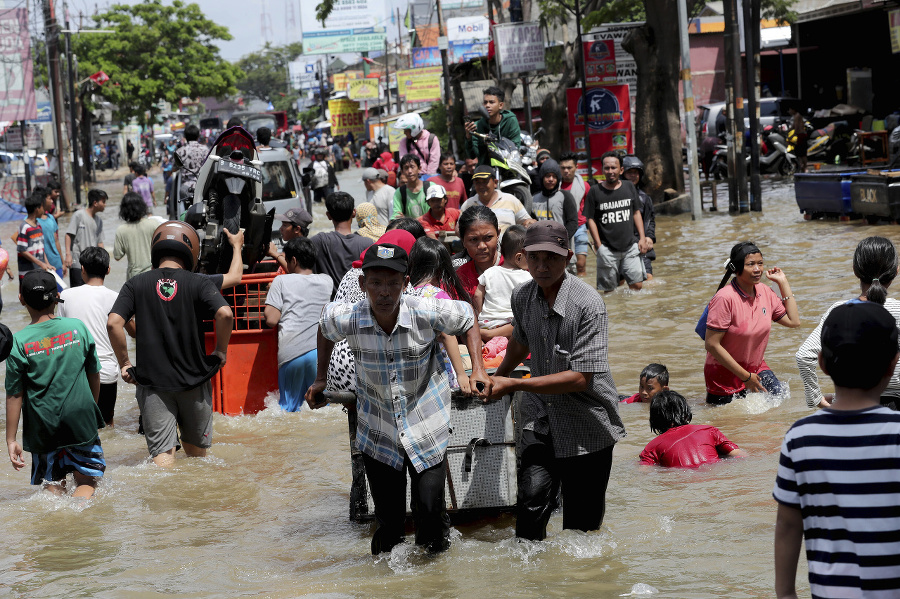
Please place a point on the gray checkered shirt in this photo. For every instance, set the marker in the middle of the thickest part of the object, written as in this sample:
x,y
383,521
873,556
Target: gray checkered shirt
x,y
570,336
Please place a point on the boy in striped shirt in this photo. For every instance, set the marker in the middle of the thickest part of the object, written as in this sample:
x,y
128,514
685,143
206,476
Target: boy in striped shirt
x,y
838,483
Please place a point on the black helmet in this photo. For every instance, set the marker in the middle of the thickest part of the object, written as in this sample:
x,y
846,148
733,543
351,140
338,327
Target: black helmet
x,y
175,238
630,162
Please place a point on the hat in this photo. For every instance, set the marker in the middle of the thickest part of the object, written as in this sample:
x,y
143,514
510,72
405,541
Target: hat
x,y
386,255
6,341
399,237
857,337
547,236
542,152
483,172
367,218
370,174
39,289
382,174
296,216
435,191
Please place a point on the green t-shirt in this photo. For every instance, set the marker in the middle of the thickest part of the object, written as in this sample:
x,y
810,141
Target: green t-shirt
x,y
133,240
416,205
48,364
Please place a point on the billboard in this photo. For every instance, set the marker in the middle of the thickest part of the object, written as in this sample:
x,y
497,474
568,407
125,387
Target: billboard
x,y
608,118
467,50
353,26
363,89
626,67
520,47
600,62
420,85
345,41
17,102
468,28
426,57
346,117
303,74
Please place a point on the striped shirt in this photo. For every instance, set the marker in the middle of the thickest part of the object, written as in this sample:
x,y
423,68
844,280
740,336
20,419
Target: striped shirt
x,y
841,469
401,383
572,335
808,357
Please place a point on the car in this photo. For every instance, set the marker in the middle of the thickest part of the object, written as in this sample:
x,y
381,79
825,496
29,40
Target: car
x,y
711,119
773,110
282,189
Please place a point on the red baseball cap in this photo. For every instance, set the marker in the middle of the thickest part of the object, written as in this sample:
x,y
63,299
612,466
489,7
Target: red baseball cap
x,y
397,237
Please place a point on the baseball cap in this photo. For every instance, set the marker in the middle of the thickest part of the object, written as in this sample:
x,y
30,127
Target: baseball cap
x,y
6,341
859,340
399,237
483,172
435,191
370,174
386,255
39,289
297,216
547,236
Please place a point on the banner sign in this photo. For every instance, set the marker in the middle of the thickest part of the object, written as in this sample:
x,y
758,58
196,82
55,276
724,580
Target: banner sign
x,y
44,114
520,47
303,74
468,28
370,39
625,66
894,23
346,117
342,80
468,50
17,102
420,85
426,57
363,89
600,62
608,117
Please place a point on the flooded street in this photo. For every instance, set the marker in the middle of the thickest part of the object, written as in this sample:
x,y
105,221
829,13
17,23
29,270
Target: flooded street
x,y
265,515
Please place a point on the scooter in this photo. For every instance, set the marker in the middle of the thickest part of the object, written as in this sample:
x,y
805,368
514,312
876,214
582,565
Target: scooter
x,y
504,155
774,154
227,196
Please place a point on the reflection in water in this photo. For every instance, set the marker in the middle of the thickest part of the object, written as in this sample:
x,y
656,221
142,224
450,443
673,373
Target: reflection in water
x,y
266,513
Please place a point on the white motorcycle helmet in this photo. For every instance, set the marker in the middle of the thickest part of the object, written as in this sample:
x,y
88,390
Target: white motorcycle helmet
x,y
411,121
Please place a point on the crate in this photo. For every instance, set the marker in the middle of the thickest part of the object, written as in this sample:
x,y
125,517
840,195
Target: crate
x,y
876,196
251,371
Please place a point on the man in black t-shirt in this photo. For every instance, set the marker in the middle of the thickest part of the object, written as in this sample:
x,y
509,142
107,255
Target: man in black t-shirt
x,y
336,250
613,211
173,371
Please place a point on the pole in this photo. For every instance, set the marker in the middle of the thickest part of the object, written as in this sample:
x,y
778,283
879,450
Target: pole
x,y
696,200
76,169
584,112
25,164
51,28
445,65
752,104
753,84
322,88
527,97
399,53
737,188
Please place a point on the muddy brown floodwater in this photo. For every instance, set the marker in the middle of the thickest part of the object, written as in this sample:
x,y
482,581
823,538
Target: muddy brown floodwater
x,y
265,515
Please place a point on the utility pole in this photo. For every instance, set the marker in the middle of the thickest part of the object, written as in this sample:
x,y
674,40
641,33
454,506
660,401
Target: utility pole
x,y
443,44
76,169
737,183
51,32
688,88
751,11
22,126
584,111
399,53
322,97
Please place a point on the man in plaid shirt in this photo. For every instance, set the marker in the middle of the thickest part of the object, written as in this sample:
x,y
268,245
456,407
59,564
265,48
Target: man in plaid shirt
x,y
569,411
402,392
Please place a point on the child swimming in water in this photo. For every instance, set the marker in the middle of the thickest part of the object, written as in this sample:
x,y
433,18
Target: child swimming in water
x,y
681,444
654,378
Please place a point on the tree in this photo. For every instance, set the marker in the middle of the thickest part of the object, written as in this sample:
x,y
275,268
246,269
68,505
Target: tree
x,y
265,74
156,53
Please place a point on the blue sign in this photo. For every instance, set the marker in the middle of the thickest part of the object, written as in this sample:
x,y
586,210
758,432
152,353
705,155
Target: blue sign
x,y
602,109
44,113
426,57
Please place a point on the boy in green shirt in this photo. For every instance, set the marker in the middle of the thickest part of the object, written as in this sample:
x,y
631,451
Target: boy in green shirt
x,y
53,376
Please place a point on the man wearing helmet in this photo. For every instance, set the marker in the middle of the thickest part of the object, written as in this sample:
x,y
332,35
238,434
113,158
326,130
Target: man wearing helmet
x,y
173,372
419,142
634,172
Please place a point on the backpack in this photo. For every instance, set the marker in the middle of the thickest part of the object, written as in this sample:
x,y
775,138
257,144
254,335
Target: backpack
x,y
320,175
431,137
425,186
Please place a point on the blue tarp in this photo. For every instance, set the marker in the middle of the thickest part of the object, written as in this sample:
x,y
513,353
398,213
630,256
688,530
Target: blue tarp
x,y
10,211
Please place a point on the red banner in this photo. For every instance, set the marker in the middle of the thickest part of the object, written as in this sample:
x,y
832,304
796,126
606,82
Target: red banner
x,y
99,78
608,116
600,62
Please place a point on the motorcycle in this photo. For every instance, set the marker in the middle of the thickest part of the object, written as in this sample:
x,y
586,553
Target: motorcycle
x,y
227,196
504,155
775,157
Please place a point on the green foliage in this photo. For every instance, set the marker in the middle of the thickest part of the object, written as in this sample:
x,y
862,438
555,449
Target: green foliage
x,y
323,9
436,122
265,74
157,52
620,11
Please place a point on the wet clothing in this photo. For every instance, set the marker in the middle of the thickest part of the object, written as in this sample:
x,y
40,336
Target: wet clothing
x,y
335,252
767,379
649,228
163,413
295,377
839,469
614,266
50,227
171,351
747,321
508,127
613,211
91,305
54,466
300,299
48,366
687,446
29,241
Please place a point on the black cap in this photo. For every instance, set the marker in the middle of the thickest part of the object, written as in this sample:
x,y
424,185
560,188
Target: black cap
x,y
6,341
859,340
39,289
297,216
483,172
547,236
386,255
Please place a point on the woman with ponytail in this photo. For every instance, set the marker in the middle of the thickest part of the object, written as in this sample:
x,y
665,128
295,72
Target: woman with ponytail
x,y
875,265
737,328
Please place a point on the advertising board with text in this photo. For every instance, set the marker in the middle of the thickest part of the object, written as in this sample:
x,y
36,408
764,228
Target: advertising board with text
x,y
346,117
420,85
520,47
608,117
625,66
17,101
352,26
426,57
363,89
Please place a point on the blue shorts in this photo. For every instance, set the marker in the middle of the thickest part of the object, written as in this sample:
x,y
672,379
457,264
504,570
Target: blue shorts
x,y
581,240
53,466
294,378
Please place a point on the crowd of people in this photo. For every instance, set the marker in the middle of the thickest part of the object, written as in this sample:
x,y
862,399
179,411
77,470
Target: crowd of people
x,y
388,312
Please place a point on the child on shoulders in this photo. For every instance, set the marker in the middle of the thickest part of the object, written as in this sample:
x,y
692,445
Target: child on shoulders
x,y
681,444
493,298
654,378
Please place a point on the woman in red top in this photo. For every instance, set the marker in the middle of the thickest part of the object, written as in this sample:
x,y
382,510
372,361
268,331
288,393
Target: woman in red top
x,y
737,328
479,232
681,444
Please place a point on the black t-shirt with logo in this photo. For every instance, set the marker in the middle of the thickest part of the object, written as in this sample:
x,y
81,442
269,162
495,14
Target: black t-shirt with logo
x,y
613,211
169,305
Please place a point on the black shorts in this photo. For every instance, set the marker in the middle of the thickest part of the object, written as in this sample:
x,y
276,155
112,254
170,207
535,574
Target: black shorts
x,y
107,401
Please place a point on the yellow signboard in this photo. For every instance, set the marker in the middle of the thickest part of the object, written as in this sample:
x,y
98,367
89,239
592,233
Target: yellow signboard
x,y
363,89
894,22
420,85
346,117
341,80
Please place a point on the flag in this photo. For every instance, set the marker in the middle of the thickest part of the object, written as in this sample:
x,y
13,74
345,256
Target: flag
x,y
407,21
99,78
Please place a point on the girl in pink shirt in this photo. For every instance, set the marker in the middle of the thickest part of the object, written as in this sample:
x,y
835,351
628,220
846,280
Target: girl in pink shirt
x,y
737,328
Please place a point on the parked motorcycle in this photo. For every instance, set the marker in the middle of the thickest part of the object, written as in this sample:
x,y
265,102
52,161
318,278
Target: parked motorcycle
x,y
774,154
505,157
227,196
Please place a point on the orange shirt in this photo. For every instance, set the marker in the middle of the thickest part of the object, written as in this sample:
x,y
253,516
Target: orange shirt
x,y
448,223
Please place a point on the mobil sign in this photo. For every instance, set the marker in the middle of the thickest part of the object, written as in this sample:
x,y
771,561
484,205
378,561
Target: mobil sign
x,y
468,28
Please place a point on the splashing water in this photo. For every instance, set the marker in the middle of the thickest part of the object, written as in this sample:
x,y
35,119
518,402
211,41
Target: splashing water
x,y
640,589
